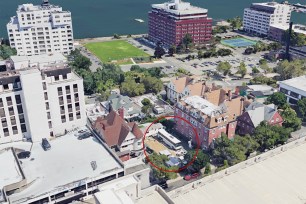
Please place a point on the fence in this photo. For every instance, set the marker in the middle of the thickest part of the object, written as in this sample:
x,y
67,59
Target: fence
x,y
237,167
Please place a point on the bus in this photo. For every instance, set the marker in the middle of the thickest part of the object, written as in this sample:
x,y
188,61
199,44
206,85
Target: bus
x,y
168,139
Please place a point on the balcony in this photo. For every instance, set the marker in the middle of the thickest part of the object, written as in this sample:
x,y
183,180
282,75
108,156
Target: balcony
x,y
68,91
61,102
70,110
76,99
77,108
9,103
60,93
13,122
4,124
75,90
68,100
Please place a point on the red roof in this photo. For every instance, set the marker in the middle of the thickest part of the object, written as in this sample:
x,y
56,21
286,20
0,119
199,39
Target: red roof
x,y
115,129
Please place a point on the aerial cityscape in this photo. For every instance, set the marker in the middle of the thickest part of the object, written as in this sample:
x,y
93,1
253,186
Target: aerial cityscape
x,y
188,106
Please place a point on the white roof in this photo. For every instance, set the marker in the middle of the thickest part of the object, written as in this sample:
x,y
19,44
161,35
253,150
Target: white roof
x,y
296,27
168,135
180,7
9,172
279,178
201,104
260,87
298,82
109,196
165,152
69,156
152,198
44,58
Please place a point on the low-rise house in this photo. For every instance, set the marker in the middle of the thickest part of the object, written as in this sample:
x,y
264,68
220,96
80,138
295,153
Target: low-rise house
x,y
254,114
117,102
214,113
121,136
152,129
186,86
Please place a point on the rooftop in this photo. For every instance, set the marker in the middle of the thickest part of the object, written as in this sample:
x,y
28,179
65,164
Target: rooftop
x,y
277,178
11,173
298,83
201,104
296,27
69,156
44,58
179,7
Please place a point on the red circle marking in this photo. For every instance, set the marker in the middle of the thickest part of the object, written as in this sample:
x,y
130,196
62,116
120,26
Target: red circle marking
x,y
171,170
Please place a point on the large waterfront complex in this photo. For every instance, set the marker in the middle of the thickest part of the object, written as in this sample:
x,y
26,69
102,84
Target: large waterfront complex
x,y
40,96
260,16
169,22
41,29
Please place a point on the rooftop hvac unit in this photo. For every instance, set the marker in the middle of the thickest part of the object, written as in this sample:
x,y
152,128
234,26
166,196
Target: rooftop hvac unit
x,y
93,165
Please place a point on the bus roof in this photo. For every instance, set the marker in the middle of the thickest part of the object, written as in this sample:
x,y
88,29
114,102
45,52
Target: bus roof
x,y
168,136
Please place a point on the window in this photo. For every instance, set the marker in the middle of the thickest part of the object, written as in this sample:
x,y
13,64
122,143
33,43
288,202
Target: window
x,y
1,102
21,118
18,99
50,124
63,117
23,128
11,110
48,115
47,106
46,96
15,130
60,91
70,116
56,78
44,85
65,76
5,86
78,115
13,120
19,109
9,101
6,132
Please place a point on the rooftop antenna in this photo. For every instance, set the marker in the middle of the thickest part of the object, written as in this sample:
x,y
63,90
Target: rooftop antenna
x,y
45,3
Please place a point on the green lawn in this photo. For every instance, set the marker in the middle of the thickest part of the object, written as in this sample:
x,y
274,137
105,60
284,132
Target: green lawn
x,y
114,50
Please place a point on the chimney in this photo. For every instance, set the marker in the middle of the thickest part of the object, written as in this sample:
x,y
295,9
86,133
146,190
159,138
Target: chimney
x,y
229,94
288,42
121,112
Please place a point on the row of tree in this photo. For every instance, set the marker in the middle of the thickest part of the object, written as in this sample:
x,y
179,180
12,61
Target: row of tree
x,y
260,46
214,53
225,68
135,82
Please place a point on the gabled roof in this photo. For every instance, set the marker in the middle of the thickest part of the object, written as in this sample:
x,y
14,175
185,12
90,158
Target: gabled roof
x,y
114,129
181,83
259,112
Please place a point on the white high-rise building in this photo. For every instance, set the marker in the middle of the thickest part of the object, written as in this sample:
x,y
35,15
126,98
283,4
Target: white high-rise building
x,y
43,99
260,16
41,29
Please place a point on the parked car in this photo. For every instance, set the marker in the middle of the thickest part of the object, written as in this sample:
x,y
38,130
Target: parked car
x,y
24,155
191,176
45,144
84,136
149,150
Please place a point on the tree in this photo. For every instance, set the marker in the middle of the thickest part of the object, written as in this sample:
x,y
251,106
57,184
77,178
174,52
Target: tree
x,y
224,52
242,69
278,98
131,88
225,149
79,61
290,119
172,50
146,102
168,124
274,46
296,39
268,136
249,50
246,143
224,67
116,36
152,84
187,40
302,107
200,161
236,23
288,70
200,54
159,51
255,70
6,51
207,169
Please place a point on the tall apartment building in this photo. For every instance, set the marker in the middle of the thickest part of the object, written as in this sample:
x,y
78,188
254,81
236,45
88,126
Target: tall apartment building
x,y
171,21
214,113
39,100
41,29
260,16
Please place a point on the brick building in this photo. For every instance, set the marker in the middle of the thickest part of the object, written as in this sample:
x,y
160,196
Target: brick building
x,y
254,114
169,22
211,115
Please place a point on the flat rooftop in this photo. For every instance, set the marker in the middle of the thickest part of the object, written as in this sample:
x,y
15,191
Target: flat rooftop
x,y
201,104
178,7
44,58
298,82
69,160
153,195
276,179
10,173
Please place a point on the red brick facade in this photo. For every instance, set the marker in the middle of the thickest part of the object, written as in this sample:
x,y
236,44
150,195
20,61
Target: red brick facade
x,y
170,31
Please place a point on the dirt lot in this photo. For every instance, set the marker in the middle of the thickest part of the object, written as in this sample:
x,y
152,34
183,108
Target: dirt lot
x,y
157,146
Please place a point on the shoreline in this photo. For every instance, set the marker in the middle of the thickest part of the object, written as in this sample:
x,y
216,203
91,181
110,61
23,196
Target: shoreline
x,y
107,38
